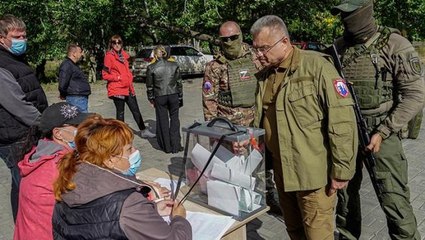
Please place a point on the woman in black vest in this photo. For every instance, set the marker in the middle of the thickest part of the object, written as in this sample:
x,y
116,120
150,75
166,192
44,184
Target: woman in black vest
x,y
98,195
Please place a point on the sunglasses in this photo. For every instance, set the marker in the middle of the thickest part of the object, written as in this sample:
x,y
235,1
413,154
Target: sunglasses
x,y
116,42
229,38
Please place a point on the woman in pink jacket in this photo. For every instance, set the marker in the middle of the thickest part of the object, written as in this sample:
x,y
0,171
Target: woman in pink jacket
x,y
39,170
120,83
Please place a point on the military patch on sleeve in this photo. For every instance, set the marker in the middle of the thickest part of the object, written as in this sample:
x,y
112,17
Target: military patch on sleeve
x,y
207,86
415,65
341,88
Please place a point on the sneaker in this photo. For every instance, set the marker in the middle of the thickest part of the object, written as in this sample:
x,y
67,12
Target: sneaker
x,y
273,204
147,134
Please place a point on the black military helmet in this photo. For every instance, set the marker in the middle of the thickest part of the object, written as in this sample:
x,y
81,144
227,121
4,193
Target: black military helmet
x,y
349,6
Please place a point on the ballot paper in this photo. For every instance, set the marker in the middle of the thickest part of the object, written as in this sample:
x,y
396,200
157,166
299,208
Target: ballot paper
x,y
200,157
207,226
223,196
232,176
226,158
231,198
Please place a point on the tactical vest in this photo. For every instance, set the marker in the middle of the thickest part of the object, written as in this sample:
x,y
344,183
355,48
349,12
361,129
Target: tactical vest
x,y
242,83
372,82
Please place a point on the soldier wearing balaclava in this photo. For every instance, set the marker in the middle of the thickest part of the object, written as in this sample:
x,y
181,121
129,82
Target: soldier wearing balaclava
x,y
385,71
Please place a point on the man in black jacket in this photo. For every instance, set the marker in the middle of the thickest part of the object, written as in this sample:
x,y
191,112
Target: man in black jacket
x,y
165,92
73,83
21,100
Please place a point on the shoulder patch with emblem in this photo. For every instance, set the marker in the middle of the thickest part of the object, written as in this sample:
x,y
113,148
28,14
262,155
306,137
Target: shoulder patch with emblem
x,y
341,88
207,86
415,65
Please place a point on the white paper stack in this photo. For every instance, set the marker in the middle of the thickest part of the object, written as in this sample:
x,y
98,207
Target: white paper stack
x,y
230,185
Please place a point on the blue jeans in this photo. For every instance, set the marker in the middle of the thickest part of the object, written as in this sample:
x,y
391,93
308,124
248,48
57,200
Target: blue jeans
x,y
79,101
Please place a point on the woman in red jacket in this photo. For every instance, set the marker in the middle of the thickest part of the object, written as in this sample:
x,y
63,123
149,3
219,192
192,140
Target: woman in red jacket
x,y
120,83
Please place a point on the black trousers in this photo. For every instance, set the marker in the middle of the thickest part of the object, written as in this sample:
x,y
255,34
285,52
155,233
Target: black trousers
x,y
168,123
134,108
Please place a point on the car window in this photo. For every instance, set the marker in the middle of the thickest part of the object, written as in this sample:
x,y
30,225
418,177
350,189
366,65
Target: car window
x,y
144,53
177,51
313,46
191,52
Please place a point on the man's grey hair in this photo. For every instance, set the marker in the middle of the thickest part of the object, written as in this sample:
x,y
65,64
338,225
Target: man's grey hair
x,y
273,22
9,22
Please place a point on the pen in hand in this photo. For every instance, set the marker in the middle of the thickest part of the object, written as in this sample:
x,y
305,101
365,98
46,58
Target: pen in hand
x,y
159,200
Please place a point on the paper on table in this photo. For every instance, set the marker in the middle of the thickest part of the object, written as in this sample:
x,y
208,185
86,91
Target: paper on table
x,y
232,176
208,226
164,182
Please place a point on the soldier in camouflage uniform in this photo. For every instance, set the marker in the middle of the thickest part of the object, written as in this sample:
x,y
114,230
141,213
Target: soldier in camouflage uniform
x,y
229,89
386,74
229,83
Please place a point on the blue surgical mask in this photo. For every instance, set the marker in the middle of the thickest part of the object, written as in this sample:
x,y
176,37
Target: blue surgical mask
x,y
19,46
71,144
135,160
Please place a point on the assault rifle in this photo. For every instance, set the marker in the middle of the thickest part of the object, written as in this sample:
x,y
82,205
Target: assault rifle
x,y
369,160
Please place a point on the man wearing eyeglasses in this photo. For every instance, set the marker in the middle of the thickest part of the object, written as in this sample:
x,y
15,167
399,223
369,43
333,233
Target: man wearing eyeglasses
x,y
229,88
307,113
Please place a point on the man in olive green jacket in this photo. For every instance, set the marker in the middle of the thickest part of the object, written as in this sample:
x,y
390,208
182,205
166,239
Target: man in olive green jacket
x,y
307,112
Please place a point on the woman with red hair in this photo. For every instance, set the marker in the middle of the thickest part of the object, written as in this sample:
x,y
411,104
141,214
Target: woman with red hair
x,y
99,197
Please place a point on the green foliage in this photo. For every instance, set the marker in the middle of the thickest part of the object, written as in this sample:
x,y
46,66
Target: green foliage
x,y
53,24
407,16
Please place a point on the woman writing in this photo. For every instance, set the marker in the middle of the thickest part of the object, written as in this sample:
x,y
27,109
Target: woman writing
x,y
99,199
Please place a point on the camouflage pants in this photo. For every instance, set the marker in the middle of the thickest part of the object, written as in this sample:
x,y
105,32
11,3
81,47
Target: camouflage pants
x,y
391,169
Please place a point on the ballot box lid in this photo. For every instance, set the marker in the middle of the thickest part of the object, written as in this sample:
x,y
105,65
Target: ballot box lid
x,y
234,133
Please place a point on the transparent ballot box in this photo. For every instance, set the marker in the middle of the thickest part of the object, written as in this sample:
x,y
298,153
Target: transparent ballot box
x,y
224,166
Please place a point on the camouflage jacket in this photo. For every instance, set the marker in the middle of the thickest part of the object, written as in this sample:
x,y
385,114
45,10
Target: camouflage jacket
x,y
216,79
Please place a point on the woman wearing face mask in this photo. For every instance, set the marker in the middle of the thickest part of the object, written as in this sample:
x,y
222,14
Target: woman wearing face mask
x,y
39,170
99,197
120,87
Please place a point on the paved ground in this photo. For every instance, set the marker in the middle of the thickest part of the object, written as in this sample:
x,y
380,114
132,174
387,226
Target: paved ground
x,y
265,227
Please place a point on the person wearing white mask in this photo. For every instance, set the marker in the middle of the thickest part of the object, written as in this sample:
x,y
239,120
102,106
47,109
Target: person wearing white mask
x,y
38,170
